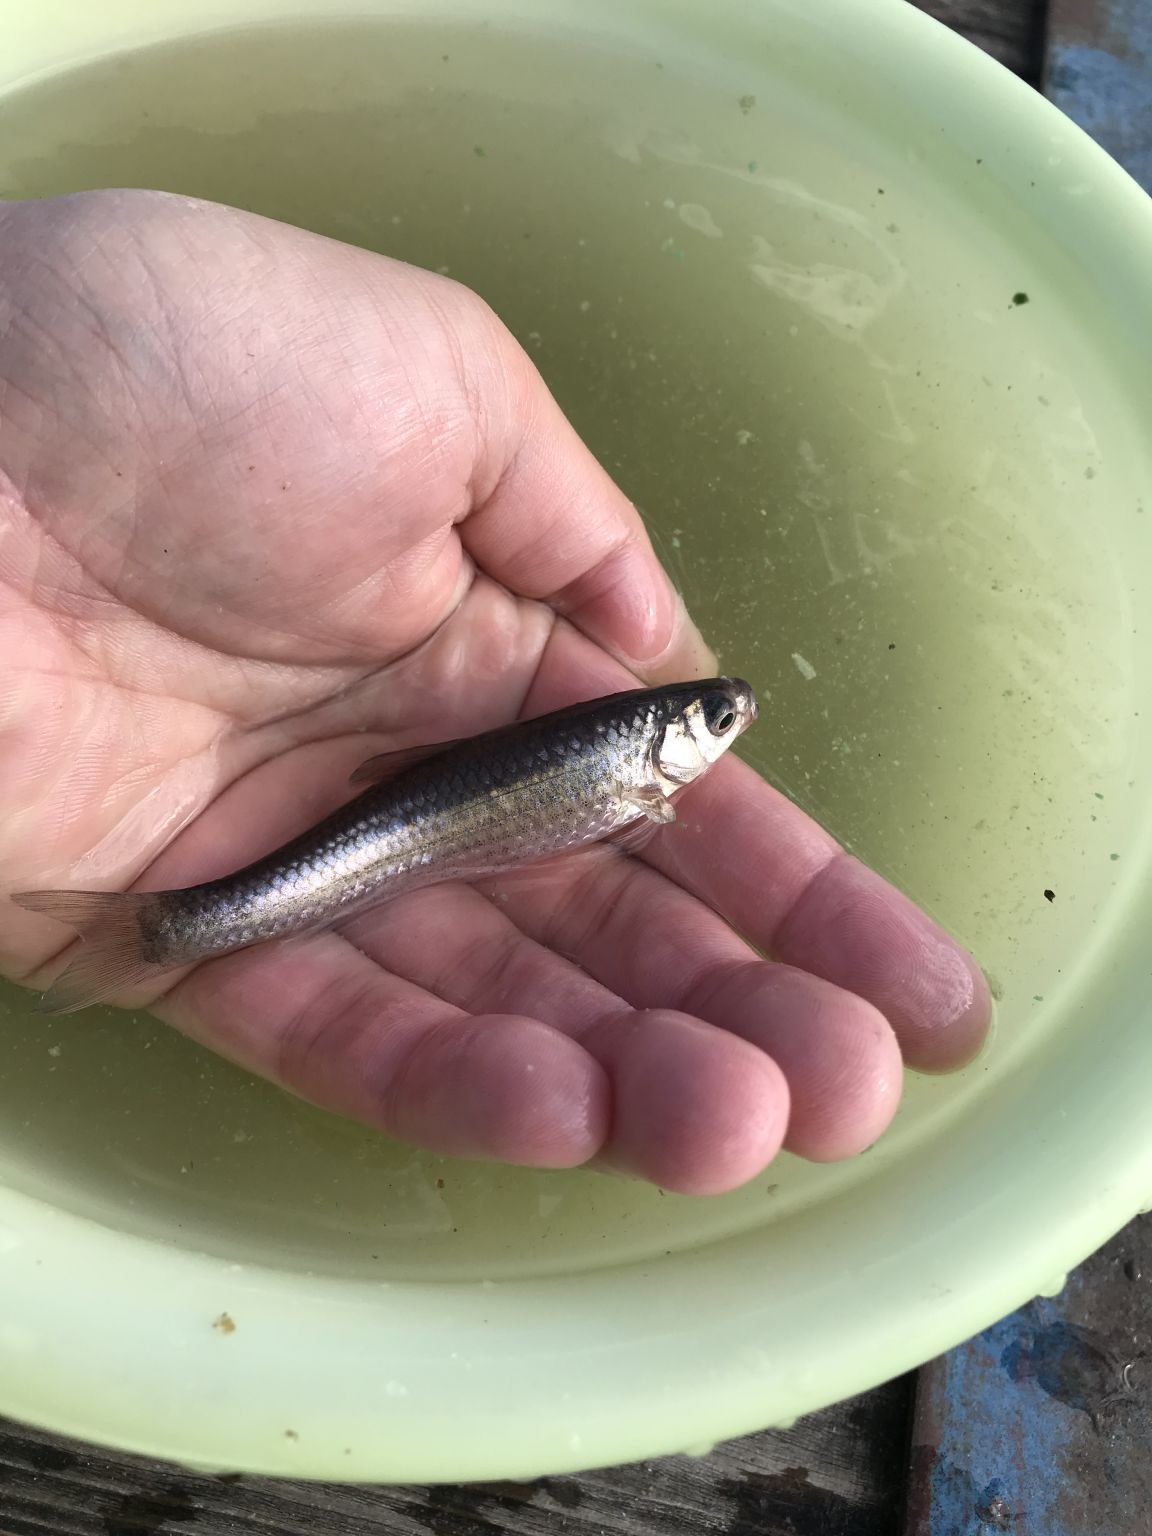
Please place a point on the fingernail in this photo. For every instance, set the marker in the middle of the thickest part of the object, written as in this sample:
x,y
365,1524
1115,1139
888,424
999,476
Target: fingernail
x,y
685,655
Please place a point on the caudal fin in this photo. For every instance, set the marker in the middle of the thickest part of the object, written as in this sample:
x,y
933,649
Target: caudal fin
x,y
112,956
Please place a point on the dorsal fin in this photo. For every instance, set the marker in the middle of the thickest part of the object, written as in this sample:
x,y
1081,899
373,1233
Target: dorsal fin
x,y
386,765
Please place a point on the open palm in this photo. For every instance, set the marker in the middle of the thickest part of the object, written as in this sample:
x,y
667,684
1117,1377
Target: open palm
x,y
270,505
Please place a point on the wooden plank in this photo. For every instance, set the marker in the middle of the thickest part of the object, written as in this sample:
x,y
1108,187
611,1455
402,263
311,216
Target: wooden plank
x,y
1041,1425
1099,71
837,1473
1010,30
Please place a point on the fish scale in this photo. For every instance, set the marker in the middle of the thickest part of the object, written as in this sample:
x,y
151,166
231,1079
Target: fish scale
x,y
464,809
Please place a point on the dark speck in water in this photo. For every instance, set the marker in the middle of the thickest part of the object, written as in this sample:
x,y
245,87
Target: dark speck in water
x,y
891,645
1019,298
479,151
1049,895
746,103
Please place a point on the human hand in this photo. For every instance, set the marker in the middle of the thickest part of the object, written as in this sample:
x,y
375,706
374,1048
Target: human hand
x,y
268,505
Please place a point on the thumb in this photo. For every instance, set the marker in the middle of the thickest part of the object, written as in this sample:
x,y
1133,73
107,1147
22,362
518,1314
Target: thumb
x,y
549,522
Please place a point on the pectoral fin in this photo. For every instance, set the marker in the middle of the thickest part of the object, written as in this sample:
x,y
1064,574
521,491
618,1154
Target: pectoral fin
x,y
651,803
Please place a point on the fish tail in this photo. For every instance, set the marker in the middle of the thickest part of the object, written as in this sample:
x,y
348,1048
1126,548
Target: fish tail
x,y
112,958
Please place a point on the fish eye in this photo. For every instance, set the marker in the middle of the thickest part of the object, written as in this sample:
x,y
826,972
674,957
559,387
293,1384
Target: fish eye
x,y
719,714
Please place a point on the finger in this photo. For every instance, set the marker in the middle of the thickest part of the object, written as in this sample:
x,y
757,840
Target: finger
x,y
798,896
654,945
838,1053
326,1022
782,881
699,1111
694,1109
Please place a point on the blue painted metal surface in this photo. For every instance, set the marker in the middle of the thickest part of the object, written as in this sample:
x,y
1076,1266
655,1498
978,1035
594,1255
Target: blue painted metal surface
x,y
1042,1425
1099,71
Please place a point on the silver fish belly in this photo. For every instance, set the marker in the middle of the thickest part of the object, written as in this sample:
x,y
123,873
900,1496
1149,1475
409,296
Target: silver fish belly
x,y
465,809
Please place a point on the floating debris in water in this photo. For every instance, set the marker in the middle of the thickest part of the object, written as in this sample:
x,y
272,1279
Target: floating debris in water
x,y
805,668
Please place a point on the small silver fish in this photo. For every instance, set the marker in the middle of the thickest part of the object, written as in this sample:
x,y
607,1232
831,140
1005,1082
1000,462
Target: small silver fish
x,y
451,811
